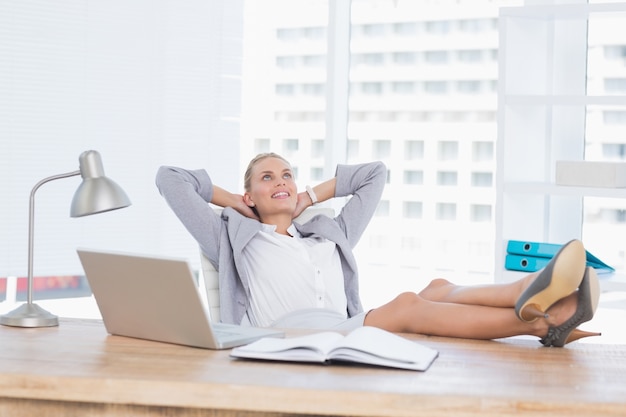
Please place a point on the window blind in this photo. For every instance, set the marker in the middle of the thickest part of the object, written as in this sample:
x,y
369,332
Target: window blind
x,y
144,82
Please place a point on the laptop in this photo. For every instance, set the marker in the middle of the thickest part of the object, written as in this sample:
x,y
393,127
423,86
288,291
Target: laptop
x,y
156,298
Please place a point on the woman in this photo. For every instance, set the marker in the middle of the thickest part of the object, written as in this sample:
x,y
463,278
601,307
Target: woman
x,y
274,272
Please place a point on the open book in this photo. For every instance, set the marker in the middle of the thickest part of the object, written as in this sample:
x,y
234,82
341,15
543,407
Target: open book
x,y
367,345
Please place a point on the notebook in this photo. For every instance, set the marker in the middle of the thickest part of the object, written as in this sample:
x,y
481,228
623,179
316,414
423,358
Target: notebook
x,y
156,298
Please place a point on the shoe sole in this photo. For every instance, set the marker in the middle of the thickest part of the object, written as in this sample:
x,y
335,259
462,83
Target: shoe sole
x,y
557,280
588,300
594,291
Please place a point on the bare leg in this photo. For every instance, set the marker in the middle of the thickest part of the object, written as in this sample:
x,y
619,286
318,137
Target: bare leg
x,y
492,295
411,313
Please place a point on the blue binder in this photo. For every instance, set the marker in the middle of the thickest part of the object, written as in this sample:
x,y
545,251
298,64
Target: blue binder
x,y
543,251
524,263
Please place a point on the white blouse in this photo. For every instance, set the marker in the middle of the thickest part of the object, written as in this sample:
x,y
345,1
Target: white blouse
x,y
292,273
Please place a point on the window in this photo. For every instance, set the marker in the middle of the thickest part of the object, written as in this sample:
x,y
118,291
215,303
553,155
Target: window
x,y
615,53
446,211
317,174
405,28
290,147
288,34
412,209
314,61
438,27
447,178
615,85
436,87
469,87
374,59
448,151
436,57
413,177
382,149
405,81
482,151
470,56
316,33
404,58
403,87
482,179
317,148
262,145
480,213
614,117
313,89
112,79
411,244
413,150
371,88
614,151
374,30
286,62
285,89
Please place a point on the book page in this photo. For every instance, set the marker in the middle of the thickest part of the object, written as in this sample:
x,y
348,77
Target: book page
x,y
310,348
379,347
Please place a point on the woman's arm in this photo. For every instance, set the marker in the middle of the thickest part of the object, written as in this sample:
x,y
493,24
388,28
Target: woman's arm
x,y
188,192
223,198
323,191
364,183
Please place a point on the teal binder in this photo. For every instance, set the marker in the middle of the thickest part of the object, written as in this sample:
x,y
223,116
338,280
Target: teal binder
x,y
543,251
524,263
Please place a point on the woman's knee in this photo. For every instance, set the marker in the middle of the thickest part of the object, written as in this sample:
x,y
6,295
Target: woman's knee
x,y
408,300
436,289
439,282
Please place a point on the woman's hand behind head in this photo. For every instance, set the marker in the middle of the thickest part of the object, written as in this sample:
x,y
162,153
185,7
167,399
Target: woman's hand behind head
x,y
244,209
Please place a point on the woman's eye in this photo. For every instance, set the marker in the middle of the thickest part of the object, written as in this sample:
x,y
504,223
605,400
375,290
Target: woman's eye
x,y
267,177
287,175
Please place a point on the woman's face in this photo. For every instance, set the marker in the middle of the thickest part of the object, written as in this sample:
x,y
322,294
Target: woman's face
x,y
272,188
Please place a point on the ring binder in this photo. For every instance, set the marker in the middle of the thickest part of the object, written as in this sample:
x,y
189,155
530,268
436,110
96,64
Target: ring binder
x,y
531,256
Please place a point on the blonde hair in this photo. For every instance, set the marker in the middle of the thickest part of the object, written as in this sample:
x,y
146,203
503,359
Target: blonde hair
x,y
248,175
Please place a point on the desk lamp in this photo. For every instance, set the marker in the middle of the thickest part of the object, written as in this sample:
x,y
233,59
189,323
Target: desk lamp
x,y
96,194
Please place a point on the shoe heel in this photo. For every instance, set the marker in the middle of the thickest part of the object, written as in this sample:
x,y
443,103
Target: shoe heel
x,y
557,280
530,313
588,299
578,334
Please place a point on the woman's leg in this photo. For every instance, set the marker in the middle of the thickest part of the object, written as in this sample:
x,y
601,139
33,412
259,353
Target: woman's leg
x,y
559,278
411,313
492,295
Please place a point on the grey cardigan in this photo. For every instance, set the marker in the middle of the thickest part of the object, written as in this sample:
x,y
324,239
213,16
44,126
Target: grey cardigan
x,y
222,238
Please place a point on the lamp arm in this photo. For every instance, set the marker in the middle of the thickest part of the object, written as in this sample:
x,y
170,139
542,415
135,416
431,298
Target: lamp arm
x,y
31,224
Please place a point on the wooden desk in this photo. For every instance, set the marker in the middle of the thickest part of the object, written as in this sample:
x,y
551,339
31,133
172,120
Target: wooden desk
x,y
76,369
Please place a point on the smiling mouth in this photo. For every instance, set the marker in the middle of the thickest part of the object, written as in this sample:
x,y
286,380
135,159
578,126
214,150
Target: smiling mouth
x,y
280,194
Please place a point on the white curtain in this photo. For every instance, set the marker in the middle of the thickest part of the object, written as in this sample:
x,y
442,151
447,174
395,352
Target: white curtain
x,y
146,83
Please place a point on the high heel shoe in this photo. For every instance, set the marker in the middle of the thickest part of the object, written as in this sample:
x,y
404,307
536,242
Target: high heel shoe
x,y
560,277
587,298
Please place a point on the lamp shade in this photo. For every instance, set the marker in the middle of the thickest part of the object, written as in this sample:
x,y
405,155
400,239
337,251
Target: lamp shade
x,y
96,193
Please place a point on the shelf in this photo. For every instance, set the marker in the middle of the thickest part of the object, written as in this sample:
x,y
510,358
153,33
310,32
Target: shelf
x,y
553,189
564,11
544,116
563,100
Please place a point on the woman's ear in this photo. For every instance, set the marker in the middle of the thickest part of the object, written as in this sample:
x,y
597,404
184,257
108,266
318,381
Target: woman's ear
x,y
248,200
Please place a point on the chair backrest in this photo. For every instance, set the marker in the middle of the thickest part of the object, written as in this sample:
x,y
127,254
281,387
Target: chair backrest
x,y
210,275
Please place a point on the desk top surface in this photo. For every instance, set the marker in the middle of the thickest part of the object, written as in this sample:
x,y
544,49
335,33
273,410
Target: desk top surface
x,y
79,361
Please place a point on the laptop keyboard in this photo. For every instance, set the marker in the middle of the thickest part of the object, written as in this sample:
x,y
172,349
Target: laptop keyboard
x,y
225,330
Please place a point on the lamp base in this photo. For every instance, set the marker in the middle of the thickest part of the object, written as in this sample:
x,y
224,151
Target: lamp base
x,y
29,315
